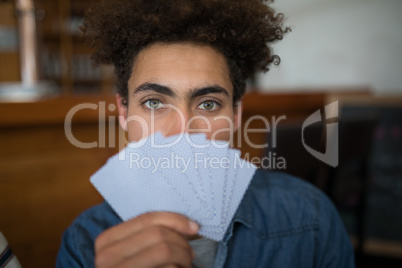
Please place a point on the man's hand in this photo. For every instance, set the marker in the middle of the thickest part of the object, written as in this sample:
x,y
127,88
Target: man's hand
x,y
156,239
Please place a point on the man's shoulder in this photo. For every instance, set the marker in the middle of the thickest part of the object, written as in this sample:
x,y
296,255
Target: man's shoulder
x,y
279,179
277,185
279,211
277,203
95,220
77,245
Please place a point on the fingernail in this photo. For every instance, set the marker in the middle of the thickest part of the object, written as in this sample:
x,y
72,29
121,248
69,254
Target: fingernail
x,y
193,226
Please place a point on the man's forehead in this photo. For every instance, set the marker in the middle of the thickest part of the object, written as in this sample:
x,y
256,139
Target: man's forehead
x,y
180,67
179,54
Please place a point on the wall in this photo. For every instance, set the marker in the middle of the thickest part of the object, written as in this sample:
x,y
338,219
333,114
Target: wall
x,y
336,43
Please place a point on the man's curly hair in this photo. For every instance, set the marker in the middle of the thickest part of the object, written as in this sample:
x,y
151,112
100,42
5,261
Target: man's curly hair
x,y
242,30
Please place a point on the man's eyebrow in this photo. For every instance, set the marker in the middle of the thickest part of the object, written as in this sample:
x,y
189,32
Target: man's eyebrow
x,y
155,87
208,90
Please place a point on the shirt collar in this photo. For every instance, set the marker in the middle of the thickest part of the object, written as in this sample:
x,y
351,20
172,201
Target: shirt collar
x,y
242,215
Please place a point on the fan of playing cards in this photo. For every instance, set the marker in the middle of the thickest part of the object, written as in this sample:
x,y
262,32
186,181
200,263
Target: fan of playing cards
x,y
202,179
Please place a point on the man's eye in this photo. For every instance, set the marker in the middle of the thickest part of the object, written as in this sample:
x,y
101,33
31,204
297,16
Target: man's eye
x,y
154,104
208,105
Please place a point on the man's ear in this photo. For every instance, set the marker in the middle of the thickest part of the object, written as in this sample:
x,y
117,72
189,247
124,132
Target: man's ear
x,y
122,107
238,111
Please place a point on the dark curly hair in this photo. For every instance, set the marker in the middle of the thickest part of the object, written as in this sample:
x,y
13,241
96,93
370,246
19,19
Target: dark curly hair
x,y
242,30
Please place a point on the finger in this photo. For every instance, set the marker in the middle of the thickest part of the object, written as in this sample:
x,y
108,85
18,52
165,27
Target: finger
x,y
174,221
159,255
130,246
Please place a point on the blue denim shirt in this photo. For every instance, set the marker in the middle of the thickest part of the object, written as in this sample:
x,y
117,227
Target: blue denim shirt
x,y
281,222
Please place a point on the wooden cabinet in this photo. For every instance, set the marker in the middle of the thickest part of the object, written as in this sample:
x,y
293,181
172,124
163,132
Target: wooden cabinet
x,y
44,178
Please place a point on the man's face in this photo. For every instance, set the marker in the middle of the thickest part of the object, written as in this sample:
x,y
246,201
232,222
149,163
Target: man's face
x,y
178,88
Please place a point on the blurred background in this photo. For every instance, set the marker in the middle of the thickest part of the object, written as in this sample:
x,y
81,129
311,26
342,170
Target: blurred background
x,y
338,50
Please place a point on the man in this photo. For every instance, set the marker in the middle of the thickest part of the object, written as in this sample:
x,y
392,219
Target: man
x,y
182,65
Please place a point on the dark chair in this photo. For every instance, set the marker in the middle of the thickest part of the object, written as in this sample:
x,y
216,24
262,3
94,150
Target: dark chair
x,y
347,183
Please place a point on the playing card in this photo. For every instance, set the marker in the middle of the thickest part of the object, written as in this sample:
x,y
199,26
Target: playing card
x,y
187,174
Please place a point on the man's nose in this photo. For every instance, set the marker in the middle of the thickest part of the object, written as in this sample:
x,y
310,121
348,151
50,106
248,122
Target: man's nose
x,y
177,122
